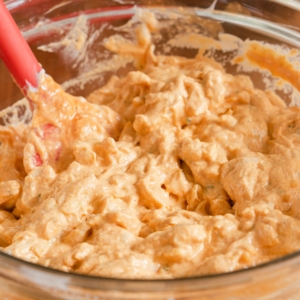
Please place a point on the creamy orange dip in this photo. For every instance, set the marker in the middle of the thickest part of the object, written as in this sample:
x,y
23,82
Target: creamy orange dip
x,y
176,170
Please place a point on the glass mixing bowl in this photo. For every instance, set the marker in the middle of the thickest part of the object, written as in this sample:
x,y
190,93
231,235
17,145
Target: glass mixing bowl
x,y
44,22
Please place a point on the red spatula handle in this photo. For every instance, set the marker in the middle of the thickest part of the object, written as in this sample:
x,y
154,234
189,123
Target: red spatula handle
x,y
16,53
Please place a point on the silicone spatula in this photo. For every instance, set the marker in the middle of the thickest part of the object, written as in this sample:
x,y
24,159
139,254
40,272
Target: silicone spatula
x,y
16,53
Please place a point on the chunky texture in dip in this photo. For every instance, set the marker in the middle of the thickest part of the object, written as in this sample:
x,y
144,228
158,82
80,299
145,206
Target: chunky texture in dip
x,y
176,170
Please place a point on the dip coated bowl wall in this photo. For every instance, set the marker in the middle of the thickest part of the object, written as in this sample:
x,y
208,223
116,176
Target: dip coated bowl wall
x,y
43,22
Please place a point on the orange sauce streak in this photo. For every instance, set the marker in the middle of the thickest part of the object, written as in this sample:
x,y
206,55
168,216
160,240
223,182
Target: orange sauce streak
x,y
266,58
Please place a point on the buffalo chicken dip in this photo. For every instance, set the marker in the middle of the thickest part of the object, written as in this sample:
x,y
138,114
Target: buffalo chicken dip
x,y
177,169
